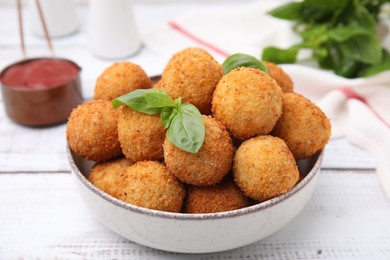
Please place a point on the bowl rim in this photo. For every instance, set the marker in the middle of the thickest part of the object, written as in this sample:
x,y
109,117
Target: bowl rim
x,y
202,216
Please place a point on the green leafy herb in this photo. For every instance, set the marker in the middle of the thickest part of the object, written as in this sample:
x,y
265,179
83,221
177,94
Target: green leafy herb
x,y
184,130
137,101
167,114
242,60
290,11
377,68
341,34
183,121
159,99
277,55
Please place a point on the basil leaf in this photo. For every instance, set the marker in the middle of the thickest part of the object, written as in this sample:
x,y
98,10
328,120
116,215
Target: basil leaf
x,y
242,60
155,99
377,68
319,10
364,48
314,36
177,101
341,34
356,15
186,130
278,56
341,13
364,19
347,67
167,114
327,55
137,101
373,7
290,11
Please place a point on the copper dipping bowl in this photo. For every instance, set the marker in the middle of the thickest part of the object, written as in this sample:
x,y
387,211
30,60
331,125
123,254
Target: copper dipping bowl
x,y
44,106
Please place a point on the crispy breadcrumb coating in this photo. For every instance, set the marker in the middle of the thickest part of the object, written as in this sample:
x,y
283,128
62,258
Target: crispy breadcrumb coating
x,y
92,131
119,79
247,102
212,162
106,176
303,126
141,136
193,75
280,76
150,185
158,85
223,196
264,168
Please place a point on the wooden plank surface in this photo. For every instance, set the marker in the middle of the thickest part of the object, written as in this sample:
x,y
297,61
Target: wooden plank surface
x,y
42,216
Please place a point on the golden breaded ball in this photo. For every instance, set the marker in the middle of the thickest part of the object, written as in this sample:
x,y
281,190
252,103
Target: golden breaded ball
x,y
106,176
248,102
303,126
150,185
119,79
282,78
223,196
212,162
92,131
158,85
264,168
141,136
192,74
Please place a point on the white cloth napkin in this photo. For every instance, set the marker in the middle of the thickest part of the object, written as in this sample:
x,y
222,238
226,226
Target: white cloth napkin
x,y
244,29
358,108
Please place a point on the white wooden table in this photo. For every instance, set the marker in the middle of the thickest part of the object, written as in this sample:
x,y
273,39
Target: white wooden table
x,y
42,215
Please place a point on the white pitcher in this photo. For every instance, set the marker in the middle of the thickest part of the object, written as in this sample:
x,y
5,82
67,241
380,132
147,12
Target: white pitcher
x,y
112,31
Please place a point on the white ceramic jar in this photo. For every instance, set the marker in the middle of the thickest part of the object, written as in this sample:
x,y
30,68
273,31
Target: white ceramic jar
x,y
60,17
112,31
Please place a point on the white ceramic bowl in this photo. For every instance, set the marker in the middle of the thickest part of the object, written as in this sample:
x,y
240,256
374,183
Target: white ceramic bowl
x,y
196,233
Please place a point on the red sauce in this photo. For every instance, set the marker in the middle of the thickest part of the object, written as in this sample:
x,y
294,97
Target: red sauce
x,y
40,74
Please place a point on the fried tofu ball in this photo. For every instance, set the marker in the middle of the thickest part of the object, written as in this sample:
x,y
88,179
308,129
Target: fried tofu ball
x,y
282,78
119,79
106,176
223,196
303,126
264,168
141,136
150,185
192,74
248,102
92,131
212,162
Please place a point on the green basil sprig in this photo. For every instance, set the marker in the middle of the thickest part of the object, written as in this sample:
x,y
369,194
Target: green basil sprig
x,y
341,35
242,60
183,121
